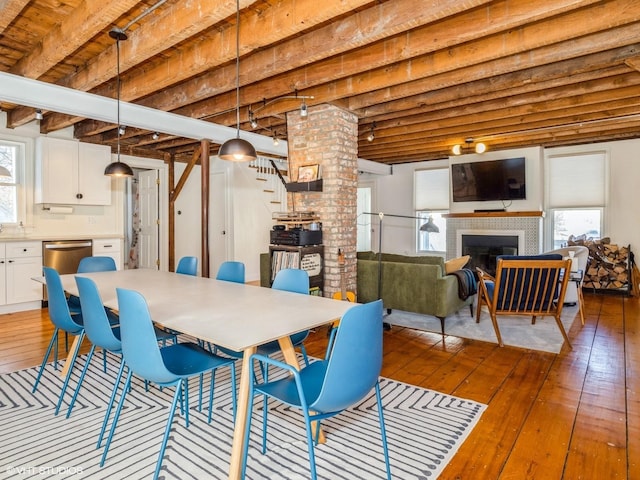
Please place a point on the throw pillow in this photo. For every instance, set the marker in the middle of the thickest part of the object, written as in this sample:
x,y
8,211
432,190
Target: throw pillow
x,y
455,264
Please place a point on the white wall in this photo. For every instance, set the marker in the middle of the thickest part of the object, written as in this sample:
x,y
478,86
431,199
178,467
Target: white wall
x,y
395,192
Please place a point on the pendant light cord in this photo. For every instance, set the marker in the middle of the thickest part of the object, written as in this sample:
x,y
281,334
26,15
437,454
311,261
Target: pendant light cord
x,y
118,91
237,68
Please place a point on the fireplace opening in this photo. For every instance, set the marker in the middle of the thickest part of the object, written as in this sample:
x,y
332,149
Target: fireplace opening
x,y
484,250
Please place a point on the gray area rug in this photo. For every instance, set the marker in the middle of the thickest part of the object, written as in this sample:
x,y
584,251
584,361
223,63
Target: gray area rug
x,y
424,430
516,331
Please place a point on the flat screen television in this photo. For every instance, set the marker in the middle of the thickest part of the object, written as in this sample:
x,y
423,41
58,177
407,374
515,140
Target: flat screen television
x,y
489,180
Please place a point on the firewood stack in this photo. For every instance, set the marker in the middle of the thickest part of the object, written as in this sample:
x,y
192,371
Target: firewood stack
x,y
608,266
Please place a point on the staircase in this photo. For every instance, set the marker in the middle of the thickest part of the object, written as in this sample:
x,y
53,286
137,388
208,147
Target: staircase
x,y
268,176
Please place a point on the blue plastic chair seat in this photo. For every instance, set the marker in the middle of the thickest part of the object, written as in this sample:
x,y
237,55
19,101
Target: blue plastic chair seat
x,y
286,390
182,359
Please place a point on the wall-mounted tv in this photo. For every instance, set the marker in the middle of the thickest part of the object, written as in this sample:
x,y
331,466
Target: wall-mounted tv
x,y
489,180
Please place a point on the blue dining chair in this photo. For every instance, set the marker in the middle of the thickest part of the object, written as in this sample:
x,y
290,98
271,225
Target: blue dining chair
x,y
89,265
327,387
167,366
63,321
101,334
188,266
231,272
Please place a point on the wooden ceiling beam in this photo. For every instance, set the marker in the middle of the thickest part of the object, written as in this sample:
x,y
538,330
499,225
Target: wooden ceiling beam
x,y
9,10
159,33
67,37
487,53
343,35
547,75
579,95
216,51
501,16
513,127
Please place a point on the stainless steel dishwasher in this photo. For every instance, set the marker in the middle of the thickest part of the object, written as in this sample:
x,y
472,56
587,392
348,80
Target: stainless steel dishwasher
x,y
64,256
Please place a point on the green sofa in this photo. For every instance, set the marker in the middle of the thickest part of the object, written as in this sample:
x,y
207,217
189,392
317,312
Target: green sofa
x,y
413,284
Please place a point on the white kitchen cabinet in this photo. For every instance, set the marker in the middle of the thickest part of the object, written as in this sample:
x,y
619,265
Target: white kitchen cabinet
x,y
109,247
69,172
19,263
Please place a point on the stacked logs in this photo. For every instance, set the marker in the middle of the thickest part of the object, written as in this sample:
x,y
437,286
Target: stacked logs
x,y
608,266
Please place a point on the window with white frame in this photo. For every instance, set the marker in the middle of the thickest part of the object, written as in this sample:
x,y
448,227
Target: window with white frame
x,y
431,189
11,159
577,195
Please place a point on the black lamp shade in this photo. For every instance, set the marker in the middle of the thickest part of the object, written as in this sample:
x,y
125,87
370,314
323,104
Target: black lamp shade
x,y
237,150
430,227
118,169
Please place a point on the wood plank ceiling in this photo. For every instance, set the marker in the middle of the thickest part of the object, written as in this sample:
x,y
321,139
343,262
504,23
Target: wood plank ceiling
x,y
424,74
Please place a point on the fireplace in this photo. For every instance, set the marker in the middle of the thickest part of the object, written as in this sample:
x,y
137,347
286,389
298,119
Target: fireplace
x,y
485,246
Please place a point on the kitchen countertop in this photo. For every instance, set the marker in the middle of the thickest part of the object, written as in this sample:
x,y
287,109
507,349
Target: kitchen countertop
x,y
11,237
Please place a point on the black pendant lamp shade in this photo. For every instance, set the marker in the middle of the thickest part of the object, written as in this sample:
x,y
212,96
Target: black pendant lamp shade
x,y
430,226
237,149
117,168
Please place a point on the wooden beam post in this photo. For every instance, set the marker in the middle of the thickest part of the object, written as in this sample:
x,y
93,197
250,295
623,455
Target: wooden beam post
x,y
204,222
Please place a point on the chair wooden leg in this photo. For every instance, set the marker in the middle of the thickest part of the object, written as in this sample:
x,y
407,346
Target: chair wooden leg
x,y
479,300
496,329
564,333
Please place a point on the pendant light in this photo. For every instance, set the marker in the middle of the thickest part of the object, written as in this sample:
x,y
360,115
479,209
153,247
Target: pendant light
x,y
4,172
117,168
237,149
430,227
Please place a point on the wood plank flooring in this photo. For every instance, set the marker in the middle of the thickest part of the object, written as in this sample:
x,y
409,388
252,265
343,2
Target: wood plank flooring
x,y
575,415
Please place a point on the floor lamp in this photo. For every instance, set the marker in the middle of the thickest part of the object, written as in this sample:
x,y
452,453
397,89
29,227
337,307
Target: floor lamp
x,y
431,227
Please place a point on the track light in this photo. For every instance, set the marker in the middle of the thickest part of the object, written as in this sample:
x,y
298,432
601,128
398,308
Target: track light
x,y
155,135
39,115
481,147
252,120
371,137
303,109
122,129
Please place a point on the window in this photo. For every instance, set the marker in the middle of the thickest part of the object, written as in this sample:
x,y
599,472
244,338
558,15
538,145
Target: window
x,y
11,158
577,193
431,203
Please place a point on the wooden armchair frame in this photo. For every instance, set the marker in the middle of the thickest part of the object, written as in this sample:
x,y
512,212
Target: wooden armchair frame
x,y
528,287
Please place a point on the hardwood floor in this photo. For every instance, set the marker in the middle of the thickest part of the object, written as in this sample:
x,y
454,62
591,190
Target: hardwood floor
x,y
575,415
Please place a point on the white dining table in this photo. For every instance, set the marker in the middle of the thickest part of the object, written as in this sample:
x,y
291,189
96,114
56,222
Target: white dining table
x,y
233,315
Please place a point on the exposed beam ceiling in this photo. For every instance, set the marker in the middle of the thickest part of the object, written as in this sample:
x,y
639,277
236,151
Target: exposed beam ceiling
x,y
429,74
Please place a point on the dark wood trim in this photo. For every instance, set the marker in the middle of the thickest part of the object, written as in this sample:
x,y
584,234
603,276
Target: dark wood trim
x,y
494,214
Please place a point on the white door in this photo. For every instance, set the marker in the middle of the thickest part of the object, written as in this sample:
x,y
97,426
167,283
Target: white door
x,y
149,221
218,226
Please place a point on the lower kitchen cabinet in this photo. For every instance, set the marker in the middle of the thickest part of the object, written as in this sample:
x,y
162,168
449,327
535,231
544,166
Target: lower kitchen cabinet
x,y
19,263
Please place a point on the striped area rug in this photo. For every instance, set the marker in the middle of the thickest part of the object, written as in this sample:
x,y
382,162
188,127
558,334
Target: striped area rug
x,y
424,430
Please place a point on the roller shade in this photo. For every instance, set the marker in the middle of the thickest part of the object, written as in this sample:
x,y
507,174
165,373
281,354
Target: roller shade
x,y
432,189
577,180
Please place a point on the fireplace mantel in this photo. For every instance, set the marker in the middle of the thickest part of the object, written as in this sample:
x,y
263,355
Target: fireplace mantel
x,y
494,214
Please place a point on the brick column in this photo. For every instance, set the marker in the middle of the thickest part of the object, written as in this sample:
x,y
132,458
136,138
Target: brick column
x,y
328,137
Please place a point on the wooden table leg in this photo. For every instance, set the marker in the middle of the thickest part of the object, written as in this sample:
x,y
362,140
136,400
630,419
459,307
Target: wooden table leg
x,y
67,363
237,447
